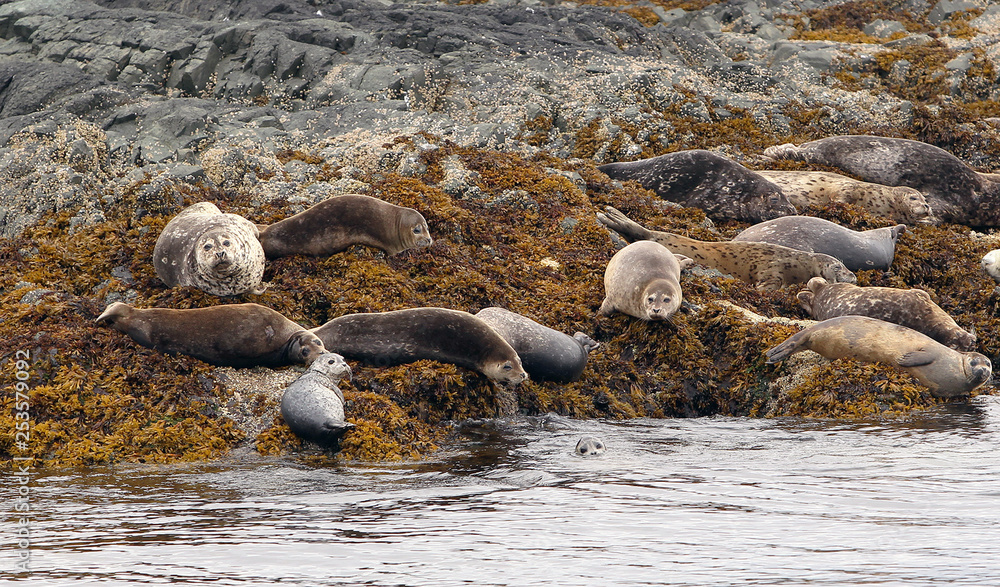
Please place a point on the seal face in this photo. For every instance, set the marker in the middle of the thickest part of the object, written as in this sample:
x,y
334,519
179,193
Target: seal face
x,y
215,252
953,190
869,249
991,264
944,371
763,264
235,335
911,308
404,336
546,354
313,405
643,280
721,187
822,188
333,225
589,446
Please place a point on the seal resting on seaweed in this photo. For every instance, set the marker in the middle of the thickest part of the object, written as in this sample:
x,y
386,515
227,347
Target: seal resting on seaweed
x,y
439,334
214,252
313,405
546,354
944,371
333,225
721,187
643,280
912,308
765,265
234,335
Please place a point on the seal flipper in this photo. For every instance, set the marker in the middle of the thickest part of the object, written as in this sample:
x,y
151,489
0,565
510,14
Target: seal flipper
x,y
607,308
337,427
805,298
585,341
684,261
617,221
915,359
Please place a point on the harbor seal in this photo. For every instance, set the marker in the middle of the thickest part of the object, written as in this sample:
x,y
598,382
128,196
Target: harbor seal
x,y
868,249
546,354
822,188
991,264
721,187
333,225
765,265
588,446
234,335
439,334
953,190
214,252
912,308
944,371
313,405
643,280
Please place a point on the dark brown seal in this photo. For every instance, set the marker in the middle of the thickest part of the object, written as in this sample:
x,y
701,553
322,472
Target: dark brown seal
x,y
944,371
643,280
912,308
765,265
234,335
404,336
721,187
954,191
546,354
333,225
869,249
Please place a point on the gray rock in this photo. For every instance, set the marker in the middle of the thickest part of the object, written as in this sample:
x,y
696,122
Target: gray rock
x,y
884,29
944,9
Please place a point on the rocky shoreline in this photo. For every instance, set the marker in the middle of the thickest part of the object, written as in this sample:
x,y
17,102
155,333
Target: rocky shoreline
x,y
490,120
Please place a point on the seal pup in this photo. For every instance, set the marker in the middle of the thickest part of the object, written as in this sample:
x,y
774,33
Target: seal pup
x,y
765,265
953,190
643,280
313,405
991,264
404,336
214,252
546,354
822,188
721,187
588,446
333,225
868,249
912,308
234,335
944,371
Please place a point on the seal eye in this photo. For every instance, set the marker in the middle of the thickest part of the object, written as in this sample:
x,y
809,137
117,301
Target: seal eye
x,y
507,367
583,450
417,230
331,362
225,243
208,246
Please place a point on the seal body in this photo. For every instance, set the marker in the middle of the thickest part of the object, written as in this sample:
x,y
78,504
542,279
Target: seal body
x,y
589,446
991,264
944,371
313,405
869,249
763,264
234,335
822,188
912,308
953,190
721,187
215,252
404,336
546,354
333,225
643,280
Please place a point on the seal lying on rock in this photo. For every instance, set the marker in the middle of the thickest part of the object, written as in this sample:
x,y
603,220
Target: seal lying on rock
x,y
721,187
822,188
546,354
439,334
333,225
235,335
643,280
991,264
912,308
944,371
869,249
954,191
313,405
763,264
215,252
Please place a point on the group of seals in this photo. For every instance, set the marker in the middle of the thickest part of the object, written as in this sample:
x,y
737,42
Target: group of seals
x,y
313,405
643,280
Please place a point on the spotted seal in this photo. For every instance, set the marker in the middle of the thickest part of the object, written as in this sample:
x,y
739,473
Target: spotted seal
x,y
868,249
944,371
335,224
643,280
233,335
589,446
912,308
313,405
765,265
214,252
721,187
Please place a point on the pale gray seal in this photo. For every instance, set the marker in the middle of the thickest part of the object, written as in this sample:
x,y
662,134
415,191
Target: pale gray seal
x,y
313,405
991,264
643,280
588,446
